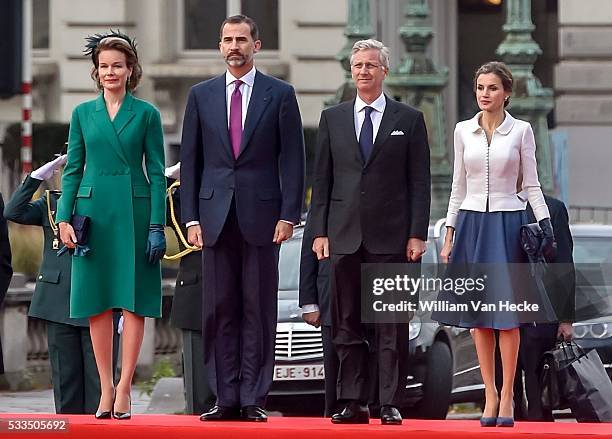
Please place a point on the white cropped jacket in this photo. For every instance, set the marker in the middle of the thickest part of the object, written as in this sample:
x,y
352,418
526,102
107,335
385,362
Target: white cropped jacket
x,y
493,173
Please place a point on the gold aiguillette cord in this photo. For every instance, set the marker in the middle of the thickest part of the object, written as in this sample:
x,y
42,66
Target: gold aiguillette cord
x,y
188,247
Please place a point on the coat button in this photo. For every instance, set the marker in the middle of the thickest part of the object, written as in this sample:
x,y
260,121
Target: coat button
x,y
362,193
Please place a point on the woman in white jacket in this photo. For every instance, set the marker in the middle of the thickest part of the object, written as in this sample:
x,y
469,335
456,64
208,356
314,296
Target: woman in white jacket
x,y
494,160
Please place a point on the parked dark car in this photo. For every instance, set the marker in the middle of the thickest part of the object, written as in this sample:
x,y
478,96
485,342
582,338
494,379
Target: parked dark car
x,y
443,363
299,349
593,259
444,367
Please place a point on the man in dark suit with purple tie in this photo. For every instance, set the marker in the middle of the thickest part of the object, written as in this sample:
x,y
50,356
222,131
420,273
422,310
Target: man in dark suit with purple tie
x,y
242,167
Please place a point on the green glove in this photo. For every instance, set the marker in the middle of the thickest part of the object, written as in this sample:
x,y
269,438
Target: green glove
x,y
156,243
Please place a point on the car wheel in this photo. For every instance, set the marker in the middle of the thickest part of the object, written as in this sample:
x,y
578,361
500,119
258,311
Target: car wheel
x,y
438,383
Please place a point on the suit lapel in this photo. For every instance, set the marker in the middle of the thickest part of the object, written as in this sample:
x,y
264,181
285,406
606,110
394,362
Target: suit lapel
x,y
125,114
104,125
388,122
218,110
348,126
260,98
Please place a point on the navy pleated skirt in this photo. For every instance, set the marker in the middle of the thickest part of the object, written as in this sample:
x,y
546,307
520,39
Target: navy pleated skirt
x,y
491,239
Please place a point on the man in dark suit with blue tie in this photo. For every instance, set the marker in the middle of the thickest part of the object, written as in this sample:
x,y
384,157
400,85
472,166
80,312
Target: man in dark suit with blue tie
x,y
242,166
370,204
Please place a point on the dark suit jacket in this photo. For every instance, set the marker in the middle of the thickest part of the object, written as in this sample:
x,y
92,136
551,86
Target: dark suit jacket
x,y
314,278
560,278
51,299
381,203
266,180
6,271
187,301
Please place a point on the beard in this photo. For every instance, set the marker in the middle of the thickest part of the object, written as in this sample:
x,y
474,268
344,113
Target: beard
x,y
235,60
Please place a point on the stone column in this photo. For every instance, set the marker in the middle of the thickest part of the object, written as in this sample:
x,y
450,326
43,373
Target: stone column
x,y
530,101
358,27
418,82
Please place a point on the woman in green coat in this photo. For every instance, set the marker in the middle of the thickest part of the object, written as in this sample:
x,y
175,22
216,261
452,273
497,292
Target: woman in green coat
x,y
110,139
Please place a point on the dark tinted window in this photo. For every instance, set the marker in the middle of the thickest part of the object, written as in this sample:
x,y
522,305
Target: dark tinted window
x,y
40,31
265,14
289,265
202,21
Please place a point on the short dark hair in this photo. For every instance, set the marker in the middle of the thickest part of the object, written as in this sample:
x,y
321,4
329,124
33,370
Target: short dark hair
x,y
237,19
502,71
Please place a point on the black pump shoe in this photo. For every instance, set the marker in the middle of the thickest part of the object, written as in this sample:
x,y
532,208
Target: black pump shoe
x,y
123,415
106,414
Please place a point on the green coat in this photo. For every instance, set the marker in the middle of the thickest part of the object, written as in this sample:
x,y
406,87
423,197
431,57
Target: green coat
x,y
104,179
51,299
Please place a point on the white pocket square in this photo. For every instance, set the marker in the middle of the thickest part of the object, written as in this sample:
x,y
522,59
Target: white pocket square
x,y
397,133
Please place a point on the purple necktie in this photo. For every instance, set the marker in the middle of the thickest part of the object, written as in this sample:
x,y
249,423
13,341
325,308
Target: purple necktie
x,y
235,119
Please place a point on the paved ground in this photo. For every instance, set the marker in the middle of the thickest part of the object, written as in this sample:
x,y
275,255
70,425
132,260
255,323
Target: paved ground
x,y
41,401
167,398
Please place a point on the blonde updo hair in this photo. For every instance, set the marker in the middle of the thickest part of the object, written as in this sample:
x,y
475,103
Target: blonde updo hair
x,y
131,59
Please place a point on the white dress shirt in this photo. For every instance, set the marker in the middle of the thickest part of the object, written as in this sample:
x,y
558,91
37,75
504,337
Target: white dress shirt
x,y
359,113
497,173
246,89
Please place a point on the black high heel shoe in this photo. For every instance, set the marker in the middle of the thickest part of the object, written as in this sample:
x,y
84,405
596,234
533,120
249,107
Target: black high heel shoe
x,y
106,414
123,415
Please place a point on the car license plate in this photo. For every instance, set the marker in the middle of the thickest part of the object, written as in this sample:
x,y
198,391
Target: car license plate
x,y
298,372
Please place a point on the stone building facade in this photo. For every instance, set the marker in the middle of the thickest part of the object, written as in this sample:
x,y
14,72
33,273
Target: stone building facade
x,y
300,41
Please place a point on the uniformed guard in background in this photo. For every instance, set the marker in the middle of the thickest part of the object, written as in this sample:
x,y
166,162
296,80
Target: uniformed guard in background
x,y
186,313
76,386
6,270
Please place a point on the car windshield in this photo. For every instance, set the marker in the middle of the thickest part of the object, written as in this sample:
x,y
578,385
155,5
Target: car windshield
x,y
592,250
289,265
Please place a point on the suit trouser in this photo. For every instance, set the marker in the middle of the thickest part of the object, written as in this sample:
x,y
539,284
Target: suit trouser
x,y
240,284
351,340
198,396
330,365
76,384
535,340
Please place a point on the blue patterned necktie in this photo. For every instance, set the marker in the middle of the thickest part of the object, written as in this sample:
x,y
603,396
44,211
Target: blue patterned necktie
x,y
366,136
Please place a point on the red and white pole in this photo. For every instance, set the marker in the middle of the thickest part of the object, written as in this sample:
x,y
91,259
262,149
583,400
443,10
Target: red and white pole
x,y
26,90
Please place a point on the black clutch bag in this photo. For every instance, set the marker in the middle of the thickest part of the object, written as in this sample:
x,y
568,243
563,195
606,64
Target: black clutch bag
x,y
81,225
531,241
